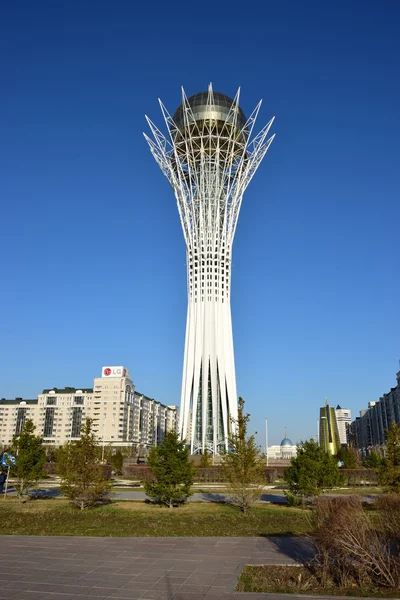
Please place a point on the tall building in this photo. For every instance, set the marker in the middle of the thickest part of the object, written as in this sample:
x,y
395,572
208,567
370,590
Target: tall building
x,y
369,429
328,429
343,419
121,416
209,158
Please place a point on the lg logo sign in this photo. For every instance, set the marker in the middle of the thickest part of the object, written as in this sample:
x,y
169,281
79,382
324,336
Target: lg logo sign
x,y
114,372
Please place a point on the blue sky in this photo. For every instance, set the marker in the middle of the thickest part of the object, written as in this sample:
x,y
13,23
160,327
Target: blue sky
x,y
93,258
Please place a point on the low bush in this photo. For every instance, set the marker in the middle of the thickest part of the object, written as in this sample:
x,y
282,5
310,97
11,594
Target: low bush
x,y
360,477
352,547
137,472
50,468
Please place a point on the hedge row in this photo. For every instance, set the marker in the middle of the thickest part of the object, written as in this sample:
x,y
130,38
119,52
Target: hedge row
x,y
353,477
51,468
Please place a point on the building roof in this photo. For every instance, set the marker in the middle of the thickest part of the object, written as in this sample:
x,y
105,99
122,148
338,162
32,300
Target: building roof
x,y
19,400
68,390
286,442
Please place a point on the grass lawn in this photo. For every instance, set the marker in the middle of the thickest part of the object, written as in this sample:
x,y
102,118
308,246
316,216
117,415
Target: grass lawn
x,y
125,519
301,580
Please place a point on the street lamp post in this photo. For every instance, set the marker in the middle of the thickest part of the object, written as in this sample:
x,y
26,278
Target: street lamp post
x,y
266,439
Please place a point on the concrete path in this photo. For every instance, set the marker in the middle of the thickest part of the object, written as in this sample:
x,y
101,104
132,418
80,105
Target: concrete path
x,y
83,568
68,568
275,498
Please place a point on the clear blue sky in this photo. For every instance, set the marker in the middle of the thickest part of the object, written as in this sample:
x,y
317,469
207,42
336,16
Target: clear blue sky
x,y
93,259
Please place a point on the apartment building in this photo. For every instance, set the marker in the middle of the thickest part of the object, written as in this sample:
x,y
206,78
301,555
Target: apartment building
x,y
369,429
121,416
343,419
13,415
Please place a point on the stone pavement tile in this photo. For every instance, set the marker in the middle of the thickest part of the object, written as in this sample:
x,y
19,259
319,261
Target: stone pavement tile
x,y
176,573
220,596
148,578
17,585
166,586
43,587
155,572
124,595
112,580
6,594
165,562
193,589
106,569
229,570
221,589
72,589
185,565
213,567
58,596
134,570
66,580
187,596
24,595
198,578
156,595
172,579
97,592
261,596
136,585
91,577
224,579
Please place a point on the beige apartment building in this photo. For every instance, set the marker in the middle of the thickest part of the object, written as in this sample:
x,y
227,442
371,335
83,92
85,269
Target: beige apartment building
x,y
121,416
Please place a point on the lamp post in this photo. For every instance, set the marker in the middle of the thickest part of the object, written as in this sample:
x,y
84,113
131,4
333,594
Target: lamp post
x,y
266,439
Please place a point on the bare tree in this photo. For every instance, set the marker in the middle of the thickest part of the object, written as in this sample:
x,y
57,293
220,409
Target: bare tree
x,y
244,464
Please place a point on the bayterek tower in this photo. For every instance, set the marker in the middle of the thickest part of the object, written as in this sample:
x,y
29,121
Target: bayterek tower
x,y
209,157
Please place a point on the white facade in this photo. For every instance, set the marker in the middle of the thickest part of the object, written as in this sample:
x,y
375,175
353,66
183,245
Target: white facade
x,y
282,453
209,159
343,418
121,416
13,414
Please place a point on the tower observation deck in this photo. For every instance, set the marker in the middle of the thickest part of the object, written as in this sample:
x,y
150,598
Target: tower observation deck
x,y
209,158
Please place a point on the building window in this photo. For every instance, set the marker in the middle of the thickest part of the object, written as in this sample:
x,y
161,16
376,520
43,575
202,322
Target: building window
x,y
76,421
48,422
78,400
21,419
51,401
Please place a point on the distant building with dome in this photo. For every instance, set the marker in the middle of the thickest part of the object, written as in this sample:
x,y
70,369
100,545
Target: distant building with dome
x,y
283,453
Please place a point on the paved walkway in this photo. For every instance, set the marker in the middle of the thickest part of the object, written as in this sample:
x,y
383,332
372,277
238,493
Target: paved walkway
x,y
275,498
83,568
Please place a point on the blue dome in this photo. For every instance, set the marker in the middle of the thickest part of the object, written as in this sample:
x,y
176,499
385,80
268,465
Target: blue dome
x,y
286,442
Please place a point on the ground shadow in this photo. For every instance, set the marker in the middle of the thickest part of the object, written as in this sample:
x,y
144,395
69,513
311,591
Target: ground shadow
x,y
210,497
300,549
273,498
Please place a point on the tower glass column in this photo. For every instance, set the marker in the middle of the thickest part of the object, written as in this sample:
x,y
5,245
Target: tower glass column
x,y
209,158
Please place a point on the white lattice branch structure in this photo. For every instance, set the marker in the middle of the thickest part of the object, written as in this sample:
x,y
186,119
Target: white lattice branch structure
x,y
209,158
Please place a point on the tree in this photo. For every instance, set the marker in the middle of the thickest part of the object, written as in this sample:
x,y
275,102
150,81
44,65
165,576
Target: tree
x,y
389,473
373,460
244,464
205,461
349,458
172,471
117,460
311,471
82,480
31,456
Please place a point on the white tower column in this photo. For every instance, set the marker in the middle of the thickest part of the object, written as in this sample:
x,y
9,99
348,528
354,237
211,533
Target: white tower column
x,y
209,159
